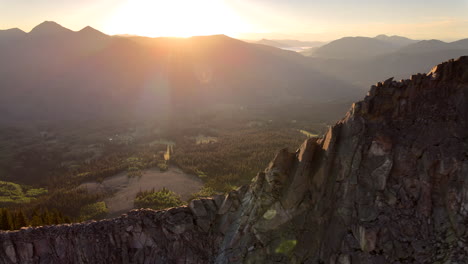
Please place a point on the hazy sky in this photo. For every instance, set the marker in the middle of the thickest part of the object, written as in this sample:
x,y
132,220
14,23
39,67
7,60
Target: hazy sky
x,y
299,19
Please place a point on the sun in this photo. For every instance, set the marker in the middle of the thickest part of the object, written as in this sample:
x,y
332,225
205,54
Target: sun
x,y
175,18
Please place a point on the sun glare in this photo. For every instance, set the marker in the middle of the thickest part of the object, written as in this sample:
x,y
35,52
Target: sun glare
x,y
175,18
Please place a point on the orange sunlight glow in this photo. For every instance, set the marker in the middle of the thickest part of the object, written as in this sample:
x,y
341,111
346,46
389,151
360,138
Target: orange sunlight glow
x,y
175,18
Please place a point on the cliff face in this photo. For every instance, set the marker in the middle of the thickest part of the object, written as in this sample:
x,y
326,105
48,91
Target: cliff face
x,y
387,184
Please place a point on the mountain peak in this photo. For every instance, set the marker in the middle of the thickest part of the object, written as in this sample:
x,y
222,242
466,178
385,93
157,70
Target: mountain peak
x,y
433,41
395,40
13,30
11,34
90,31
381,36
48,28
354,47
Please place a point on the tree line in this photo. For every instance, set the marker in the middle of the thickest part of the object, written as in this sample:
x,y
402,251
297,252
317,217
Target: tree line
x,y
13,219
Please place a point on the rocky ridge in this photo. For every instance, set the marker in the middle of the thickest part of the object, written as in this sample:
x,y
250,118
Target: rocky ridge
x,y
386,184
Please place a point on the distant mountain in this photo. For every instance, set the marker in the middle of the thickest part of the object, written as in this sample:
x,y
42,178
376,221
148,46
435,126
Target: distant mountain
x,y
91,32
418,57
272,43
363,73
396,40
425,46
86,74
9,35
12,33
462,43
300,43
434,45
354,47
363,61
293,45
48,29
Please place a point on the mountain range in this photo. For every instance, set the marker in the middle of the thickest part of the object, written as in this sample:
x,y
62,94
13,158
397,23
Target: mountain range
x,y
353,47
396,40
365,47
362,61
55,73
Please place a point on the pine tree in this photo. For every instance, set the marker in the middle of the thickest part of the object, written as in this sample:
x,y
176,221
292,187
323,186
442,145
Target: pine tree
x,y
6,220
56,217
20,219
36,219
46,217
66,220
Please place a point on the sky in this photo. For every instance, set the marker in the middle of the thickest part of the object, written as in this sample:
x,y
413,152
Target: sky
x,y
321,20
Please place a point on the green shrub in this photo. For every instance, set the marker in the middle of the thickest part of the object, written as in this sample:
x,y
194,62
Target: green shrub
x,y
133,169
132,174
6,201
163,167
94,211
200,174
36,192
10,189
84,174
205,192
12,193
157,200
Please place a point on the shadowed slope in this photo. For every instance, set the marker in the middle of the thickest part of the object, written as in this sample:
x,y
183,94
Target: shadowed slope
x,y
86,73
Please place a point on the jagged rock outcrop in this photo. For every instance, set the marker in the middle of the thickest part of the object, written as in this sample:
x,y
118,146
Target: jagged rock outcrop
x,y
141,236
387,184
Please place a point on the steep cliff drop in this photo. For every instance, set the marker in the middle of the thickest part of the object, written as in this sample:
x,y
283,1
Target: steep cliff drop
x,y
387,184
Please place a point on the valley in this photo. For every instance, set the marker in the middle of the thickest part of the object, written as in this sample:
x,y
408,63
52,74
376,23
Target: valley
x,y
95,169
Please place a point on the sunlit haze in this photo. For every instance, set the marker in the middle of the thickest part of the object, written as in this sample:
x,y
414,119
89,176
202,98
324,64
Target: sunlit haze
x,y
178,18
249,19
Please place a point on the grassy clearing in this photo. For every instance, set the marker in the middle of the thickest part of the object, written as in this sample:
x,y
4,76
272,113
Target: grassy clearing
x,y
201,139
308,134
